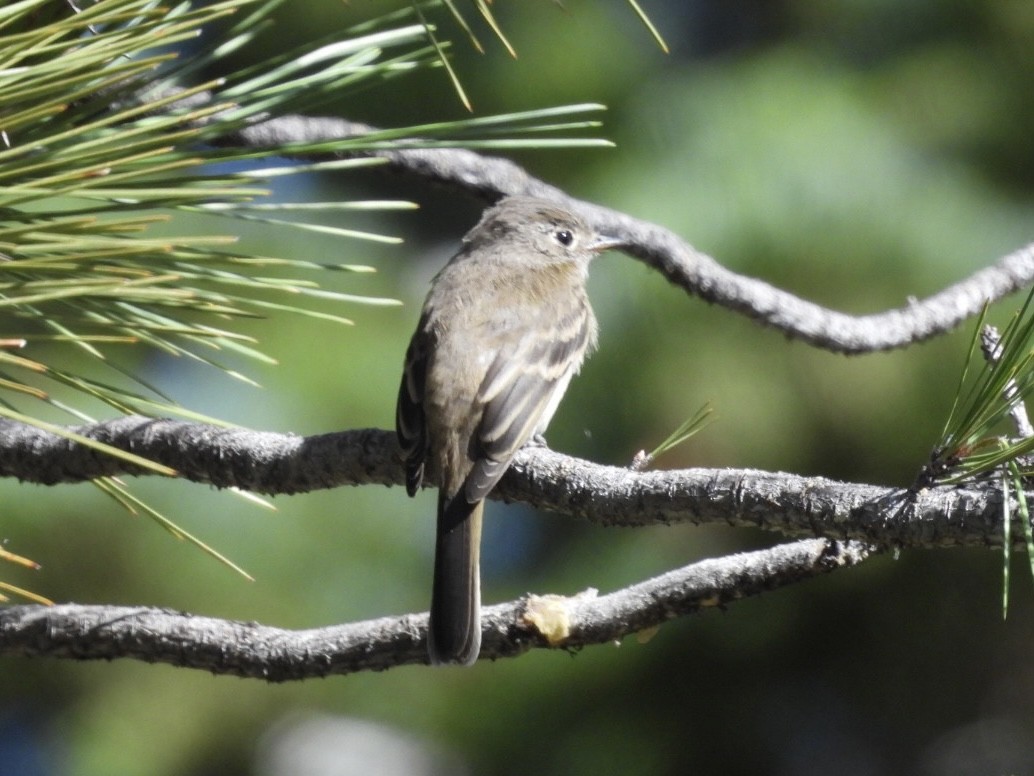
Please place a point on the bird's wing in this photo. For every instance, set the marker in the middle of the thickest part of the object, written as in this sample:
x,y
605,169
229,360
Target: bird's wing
x,y
410,421
520,387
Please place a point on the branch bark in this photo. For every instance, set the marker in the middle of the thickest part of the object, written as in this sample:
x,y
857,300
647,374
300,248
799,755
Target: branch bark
x,y
270,463
683,265
510,629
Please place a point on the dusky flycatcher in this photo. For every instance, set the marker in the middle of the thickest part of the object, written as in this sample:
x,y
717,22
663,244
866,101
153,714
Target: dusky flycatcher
x,y
505,326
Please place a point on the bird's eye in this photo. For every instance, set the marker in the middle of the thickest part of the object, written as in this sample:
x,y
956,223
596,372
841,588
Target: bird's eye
x,y
564,237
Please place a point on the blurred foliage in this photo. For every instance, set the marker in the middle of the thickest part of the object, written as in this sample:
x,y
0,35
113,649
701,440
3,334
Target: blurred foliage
x,y
855,153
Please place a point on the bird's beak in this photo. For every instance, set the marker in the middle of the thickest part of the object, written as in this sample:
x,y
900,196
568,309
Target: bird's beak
x,y
605,243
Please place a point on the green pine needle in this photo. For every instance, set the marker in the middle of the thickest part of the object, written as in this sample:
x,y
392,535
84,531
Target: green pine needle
x,y
93,444
685,430
1006,536
484,9
439,51
654,32
975,439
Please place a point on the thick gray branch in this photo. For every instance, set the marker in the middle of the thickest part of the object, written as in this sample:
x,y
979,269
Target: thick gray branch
x,y
271,463
695,272
510,629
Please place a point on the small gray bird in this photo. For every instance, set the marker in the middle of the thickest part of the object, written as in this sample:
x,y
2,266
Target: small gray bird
x,y
505,326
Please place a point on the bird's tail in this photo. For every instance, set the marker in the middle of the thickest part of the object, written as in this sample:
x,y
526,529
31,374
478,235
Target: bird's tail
x,y
455,632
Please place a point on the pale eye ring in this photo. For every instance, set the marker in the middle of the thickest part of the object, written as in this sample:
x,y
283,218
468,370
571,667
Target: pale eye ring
x,y
564,236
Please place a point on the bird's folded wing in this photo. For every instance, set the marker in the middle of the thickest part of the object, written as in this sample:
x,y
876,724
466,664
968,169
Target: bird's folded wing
x,y
410,422
519,387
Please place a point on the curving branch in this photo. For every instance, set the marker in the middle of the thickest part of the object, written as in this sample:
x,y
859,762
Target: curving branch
x,y
510,629
270,463
694,271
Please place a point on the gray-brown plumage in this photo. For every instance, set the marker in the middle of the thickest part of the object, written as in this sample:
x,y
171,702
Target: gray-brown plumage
x,y
505,326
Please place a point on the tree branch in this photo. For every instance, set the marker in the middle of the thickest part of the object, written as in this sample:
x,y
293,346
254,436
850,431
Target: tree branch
x,y
695,272
510,629
271,463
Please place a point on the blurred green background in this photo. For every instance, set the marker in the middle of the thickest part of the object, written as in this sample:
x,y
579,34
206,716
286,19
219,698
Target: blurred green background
x,y
855,153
